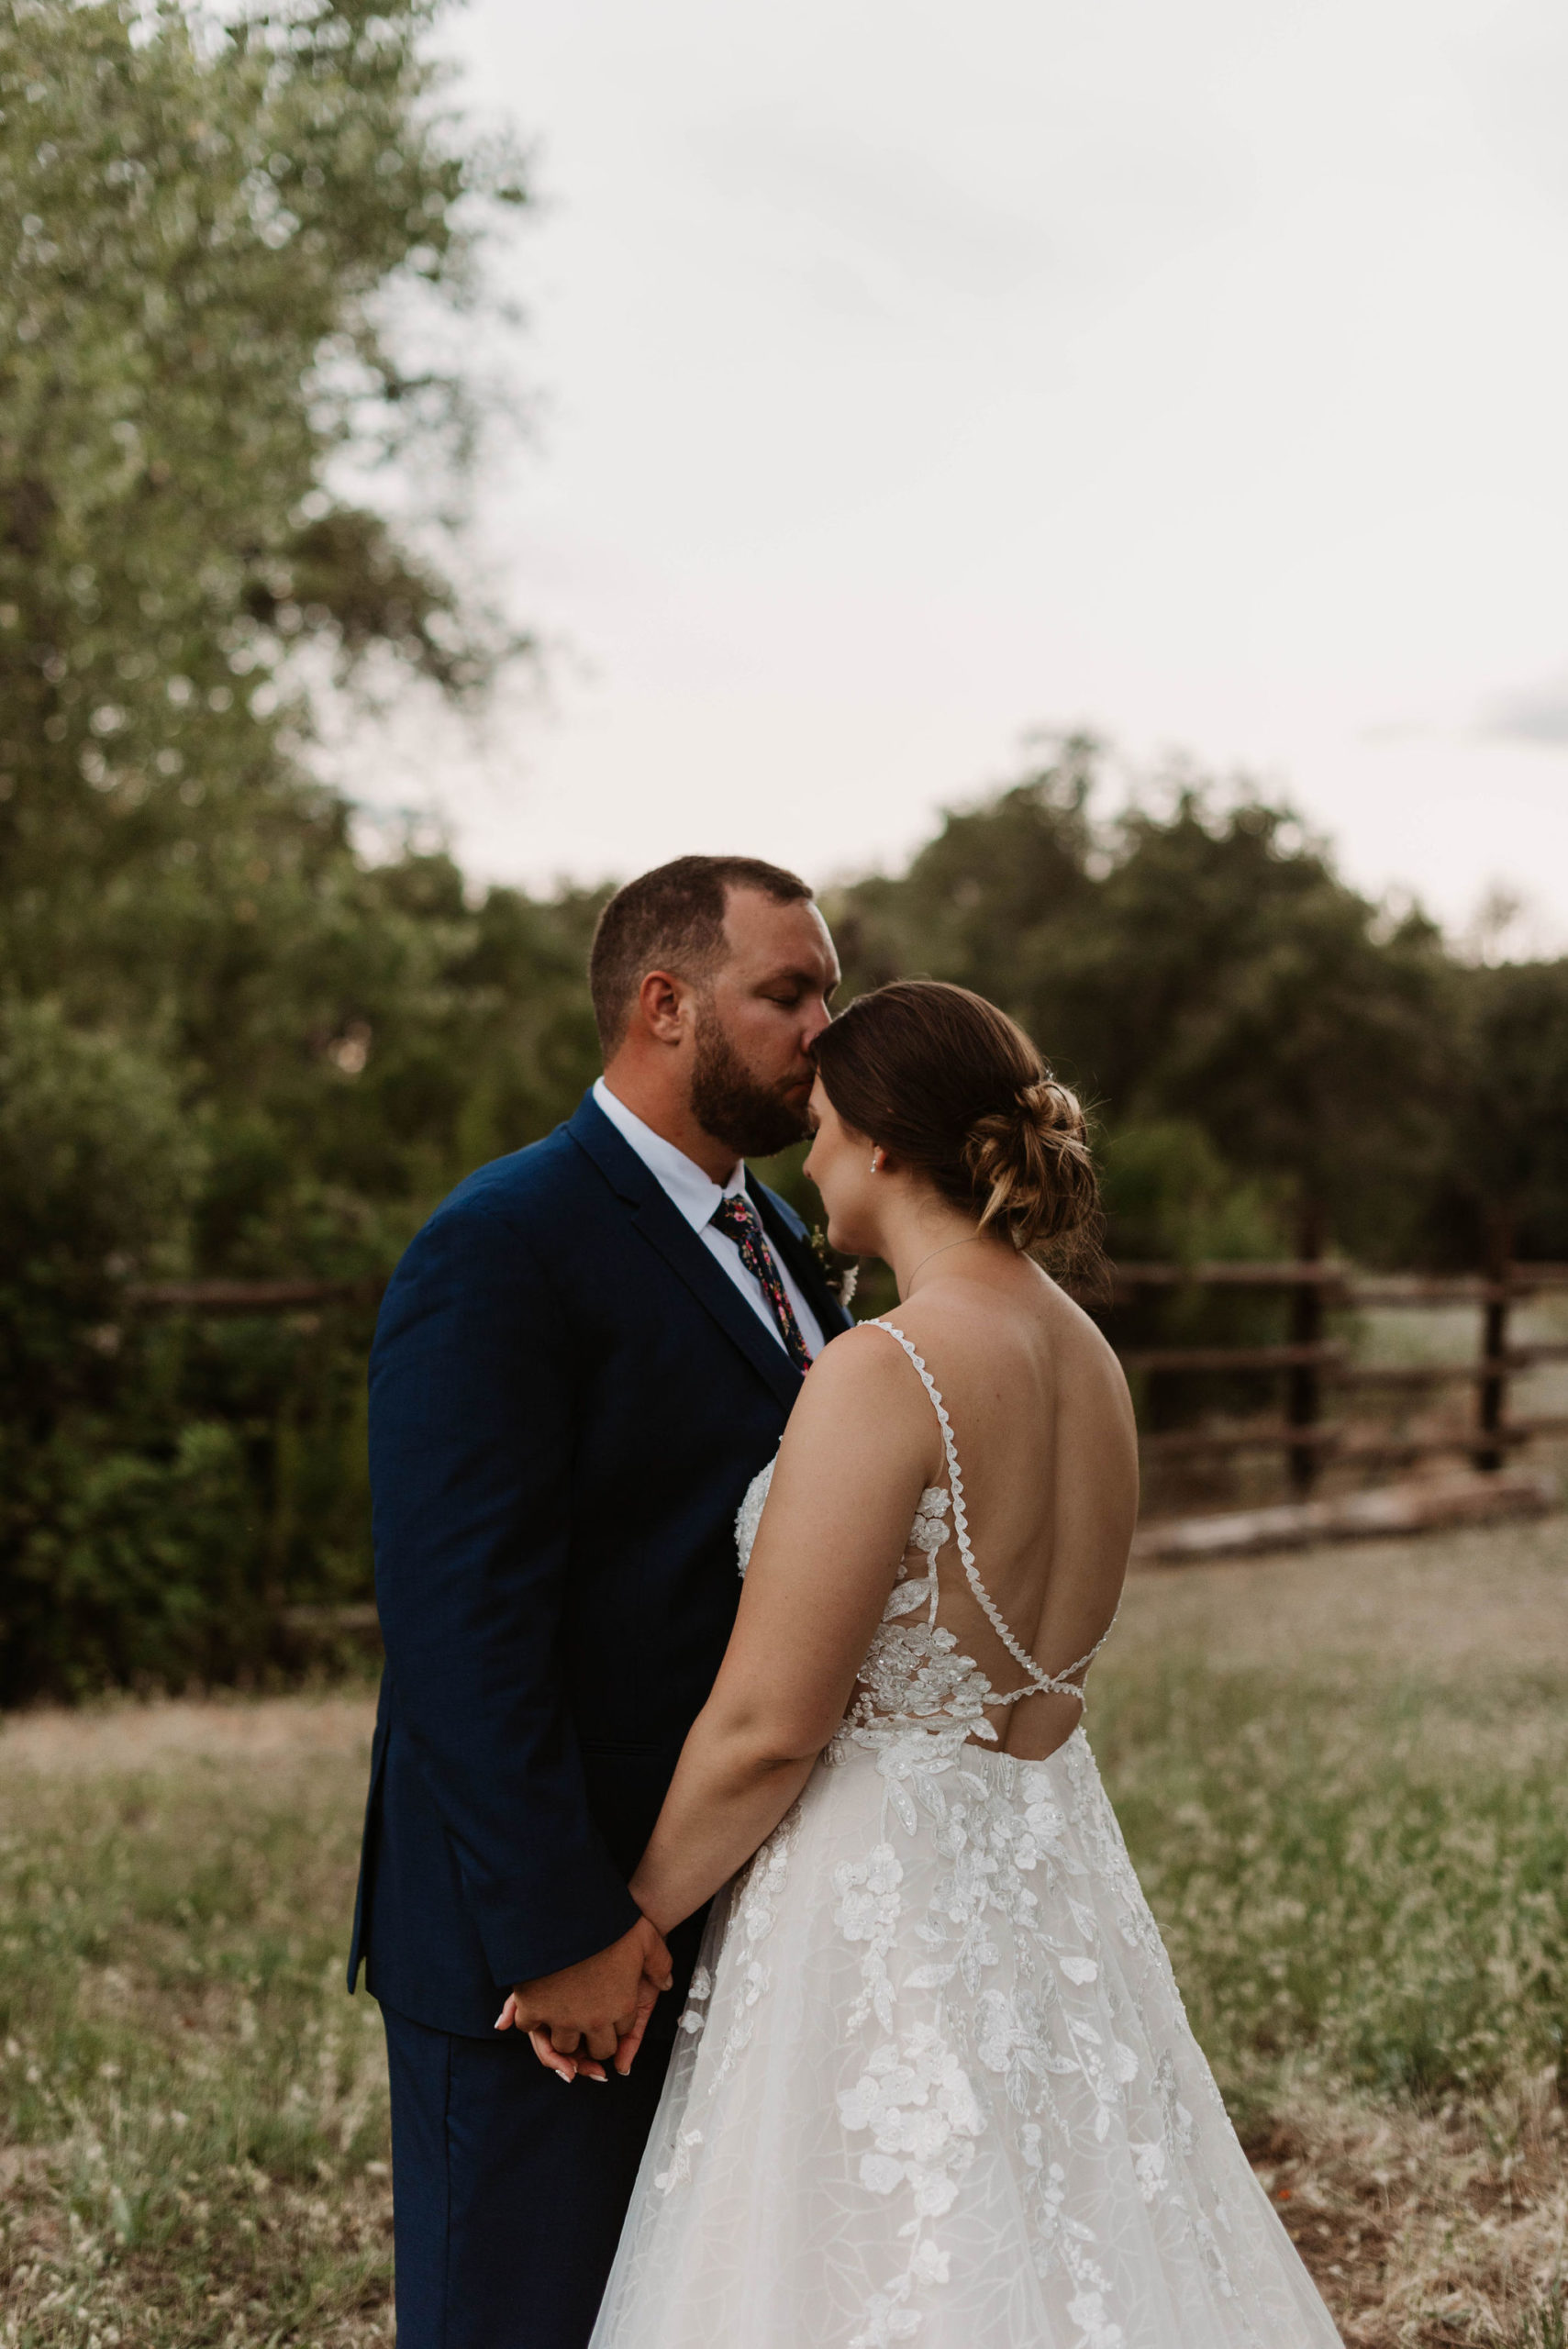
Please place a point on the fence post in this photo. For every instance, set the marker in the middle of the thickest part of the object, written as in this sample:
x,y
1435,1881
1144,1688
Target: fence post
x,y
1494,1389
1303,1400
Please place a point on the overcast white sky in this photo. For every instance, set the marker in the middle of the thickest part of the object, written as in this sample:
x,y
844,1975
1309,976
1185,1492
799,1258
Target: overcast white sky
x,y
916,375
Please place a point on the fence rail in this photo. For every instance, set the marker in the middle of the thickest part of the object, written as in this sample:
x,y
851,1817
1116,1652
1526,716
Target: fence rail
x,y
1307,1364
248,1297
1333,1273
1310,1364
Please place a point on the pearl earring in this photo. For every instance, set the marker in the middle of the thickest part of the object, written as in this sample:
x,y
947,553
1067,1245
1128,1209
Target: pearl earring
x,y
876,1161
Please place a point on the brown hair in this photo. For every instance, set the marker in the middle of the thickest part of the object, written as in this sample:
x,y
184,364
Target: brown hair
x,y
955,1089
671,918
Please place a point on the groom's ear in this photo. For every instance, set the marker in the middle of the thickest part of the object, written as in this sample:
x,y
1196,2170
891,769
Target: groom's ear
x,y
663,1004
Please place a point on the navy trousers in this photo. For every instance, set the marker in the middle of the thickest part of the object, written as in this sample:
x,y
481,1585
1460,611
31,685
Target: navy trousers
x,y
508,2190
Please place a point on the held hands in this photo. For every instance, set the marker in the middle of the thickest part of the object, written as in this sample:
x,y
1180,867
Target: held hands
x,y
579,2019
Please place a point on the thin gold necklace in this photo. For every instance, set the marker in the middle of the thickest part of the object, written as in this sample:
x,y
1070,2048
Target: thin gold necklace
x,y
935,1252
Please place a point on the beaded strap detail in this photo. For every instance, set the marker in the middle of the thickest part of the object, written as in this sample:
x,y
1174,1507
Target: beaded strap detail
x,y
1040,1682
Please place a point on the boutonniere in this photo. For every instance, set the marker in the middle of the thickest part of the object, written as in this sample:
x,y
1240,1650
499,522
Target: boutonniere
x,y
842,1272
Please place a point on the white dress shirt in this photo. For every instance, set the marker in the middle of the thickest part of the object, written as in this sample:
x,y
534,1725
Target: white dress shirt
x,y
695,1197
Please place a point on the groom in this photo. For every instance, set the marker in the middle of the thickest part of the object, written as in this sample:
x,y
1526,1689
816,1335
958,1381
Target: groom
x,y
582,1360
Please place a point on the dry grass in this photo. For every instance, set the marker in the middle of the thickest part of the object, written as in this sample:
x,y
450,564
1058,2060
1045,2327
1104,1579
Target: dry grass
x,y
195,2125
1343,1778
1421,2227
1342,1775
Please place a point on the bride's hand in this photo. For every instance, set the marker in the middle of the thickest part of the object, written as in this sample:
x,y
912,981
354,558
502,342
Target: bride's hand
x,y
565,2066
522,2012
569,2065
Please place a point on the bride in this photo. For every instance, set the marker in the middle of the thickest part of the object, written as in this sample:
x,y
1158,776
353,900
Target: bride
x,y
935,2082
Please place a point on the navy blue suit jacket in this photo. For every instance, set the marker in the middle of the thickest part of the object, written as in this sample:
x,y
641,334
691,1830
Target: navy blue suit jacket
x,y
568,1401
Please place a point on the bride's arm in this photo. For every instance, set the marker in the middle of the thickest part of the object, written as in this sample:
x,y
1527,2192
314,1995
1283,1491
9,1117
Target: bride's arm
x,y
860,1446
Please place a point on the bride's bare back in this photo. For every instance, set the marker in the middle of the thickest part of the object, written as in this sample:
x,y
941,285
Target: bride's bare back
x,y
1041,1425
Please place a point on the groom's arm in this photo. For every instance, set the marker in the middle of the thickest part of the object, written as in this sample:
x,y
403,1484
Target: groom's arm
x,y
471,1441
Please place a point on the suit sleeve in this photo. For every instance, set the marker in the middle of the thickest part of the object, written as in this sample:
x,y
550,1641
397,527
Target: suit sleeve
x,y
471,1441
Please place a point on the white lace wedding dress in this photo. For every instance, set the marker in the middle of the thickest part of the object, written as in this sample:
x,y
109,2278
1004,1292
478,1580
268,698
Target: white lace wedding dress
x,y
934,2083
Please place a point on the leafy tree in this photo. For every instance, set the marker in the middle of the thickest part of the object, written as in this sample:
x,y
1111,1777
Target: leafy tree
x,y
982,903
241,1047
1504,1096
214,218
99,1169
1232,978
1202,965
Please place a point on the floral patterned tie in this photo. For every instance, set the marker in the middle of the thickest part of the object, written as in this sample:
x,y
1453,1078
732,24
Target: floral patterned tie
x,y
738,1220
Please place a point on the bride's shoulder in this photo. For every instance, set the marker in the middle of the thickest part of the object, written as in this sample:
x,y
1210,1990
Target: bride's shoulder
x,y
859,1399
861,1376
865,1355
935,1333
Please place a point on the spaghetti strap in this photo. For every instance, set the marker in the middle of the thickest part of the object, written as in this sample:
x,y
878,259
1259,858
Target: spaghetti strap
x,y
1040,1682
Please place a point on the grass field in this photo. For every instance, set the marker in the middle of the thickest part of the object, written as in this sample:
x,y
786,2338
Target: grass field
x,y
1343,1777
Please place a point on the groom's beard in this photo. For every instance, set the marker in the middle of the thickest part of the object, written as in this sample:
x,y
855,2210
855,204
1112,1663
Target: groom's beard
x,y
751,1118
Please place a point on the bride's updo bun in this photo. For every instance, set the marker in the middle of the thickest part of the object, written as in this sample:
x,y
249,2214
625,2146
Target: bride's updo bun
x,y
953,1086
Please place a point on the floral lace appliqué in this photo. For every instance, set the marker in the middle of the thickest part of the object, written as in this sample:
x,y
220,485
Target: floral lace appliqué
x,y
753,1900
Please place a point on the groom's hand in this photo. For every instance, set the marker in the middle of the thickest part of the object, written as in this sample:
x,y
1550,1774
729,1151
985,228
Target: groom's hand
x,y
590,2010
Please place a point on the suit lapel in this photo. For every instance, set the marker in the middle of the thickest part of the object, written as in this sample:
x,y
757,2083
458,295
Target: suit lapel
x,y
672,1236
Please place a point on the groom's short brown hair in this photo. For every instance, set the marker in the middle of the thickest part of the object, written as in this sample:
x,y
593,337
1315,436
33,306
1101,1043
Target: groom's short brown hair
x,y
671,920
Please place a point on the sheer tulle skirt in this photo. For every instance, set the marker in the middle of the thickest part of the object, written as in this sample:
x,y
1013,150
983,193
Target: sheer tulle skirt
x,y
936,2085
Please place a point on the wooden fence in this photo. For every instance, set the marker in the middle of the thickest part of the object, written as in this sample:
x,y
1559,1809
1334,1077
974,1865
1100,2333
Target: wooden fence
x,y
1311,1367
1308,1366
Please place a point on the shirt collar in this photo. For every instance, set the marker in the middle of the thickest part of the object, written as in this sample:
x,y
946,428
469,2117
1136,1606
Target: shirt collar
x,y
689,1190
